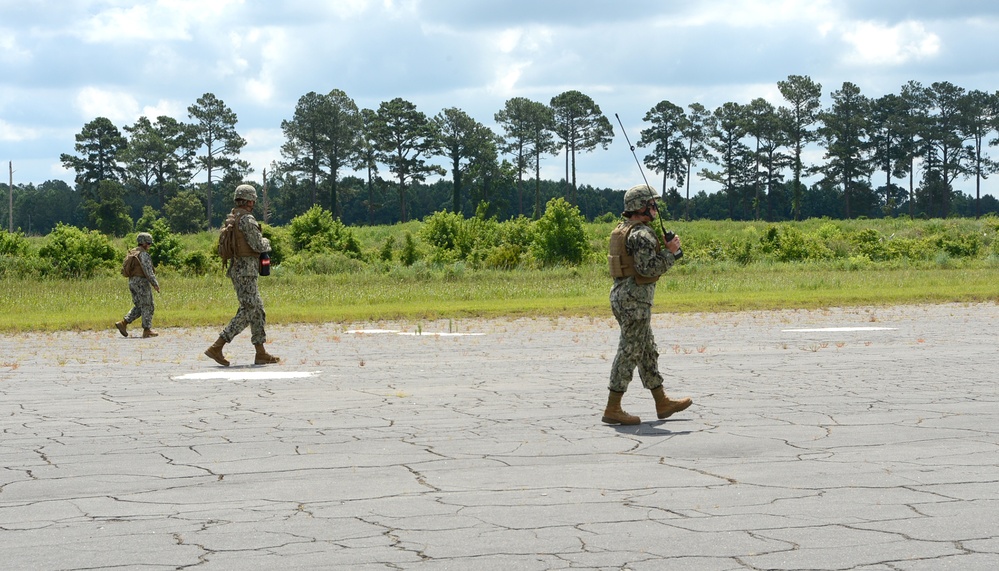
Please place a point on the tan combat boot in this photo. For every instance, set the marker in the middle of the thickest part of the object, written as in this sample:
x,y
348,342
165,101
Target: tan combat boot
x,y
666,407
147,333
122,328
263,357
215,351
614,414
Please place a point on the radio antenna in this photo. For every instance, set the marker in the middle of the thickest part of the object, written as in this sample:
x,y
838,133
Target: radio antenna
x,y
632,147
667,235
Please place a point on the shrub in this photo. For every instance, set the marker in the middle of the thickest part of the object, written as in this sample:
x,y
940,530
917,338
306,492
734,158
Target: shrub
x,y
829,231
73,253
990,222
145,222
409,254
559,236
385,254
504,257
166,249
16,258
478,237
868,242
787,243
508,244
741,251
906,249
26,266
13,244
960,245
317,231
323,263
443,232
517,231
455,239
196,263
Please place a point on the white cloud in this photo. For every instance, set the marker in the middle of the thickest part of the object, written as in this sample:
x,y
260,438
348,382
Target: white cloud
x,y
117,106
508,40
166,108
267,138
160,21
59,171
515,50
123,108
14,134
10,51
506,78
69,62
876,44
757,13
274,51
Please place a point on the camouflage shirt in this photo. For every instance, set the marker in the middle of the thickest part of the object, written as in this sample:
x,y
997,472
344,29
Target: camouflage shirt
x,y
246,266
147,267
643,245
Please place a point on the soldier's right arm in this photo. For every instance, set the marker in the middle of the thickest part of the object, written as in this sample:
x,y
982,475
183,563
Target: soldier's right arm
x,y
649,260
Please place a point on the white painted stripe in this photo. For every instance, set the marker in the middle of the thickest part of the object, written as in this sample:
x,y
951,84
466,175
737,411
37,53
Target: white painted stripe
x,y
372,331
397,332
429,333
838,329
246,375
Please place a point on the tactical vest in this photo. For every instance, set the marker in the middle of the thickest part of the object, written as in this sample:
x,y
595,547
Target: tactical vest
x,y
243,248
620,262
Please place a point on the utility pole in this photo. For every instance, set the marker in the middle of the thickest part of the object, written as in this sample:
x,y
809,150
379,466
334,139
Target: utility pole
x,y
267,204
10,198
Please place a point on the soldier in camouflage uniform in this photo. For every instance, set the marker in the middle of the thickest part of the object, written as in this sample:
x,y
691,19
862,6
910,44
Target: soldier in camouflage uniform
x,y
243,271
141,282
636,261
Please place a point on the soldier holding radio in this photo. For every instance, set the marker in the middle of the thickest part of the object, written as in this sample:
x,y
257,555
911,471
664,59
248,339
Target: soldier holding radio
x,y
636,261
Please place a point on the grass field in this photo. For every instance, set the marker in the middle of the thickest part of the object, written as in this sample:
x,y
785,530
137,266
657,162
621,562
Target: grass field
x,y
209,301
711,277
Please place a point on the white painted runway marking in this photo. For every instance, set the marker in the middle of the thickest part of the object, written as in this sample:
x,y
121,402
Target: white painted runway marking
x,y
838,329
431,333
246,375
372,331
412,333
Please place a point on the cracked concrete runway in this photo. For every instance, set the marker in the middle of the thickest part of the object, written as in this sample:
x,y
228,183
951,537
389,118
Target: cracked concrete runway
x,y
861,439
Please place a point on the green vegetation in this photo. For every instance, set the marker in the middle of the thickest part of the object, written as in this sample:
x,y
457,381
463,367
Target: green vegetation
x,y
450,266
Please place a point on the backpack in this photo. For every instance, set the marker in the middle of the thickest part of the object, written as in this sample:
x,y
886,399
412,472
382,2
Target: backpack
x,y
130,262
227,239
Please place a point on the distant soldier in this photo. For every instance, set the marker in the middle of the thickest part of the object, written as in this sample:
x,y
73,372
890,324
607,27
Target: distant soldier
x,y
246,246
138,268
636,261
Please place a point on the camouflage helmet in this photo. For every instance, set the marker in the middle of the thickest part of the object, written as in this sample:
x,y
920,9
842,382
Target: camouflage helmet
x,y
144,238
245,192
637,197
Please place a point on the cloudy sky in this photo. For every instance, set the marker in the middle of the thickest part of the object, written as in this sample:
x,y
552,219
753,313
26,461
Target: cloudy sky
x,y
64,63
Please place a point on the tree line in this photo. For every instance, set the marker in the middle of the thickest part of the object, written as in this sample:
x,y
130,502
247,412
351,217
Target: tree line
x,y
899,154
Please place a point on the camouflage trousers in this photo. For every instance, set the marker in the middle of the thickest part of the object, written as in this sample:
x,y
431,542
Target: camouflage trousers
x,y
637,347
142,302
250,312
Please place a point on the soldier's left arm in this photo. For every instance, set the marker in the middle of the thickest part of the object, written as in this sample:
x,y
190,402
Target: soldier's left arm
x,y
248,224
146,261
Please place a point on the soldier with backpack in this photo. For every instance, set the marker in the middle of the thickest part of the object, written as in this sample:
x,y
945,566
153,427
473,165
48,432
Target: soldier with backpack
x,y
240,245
138,268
